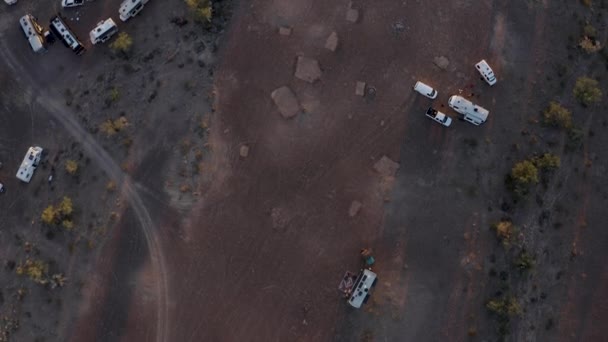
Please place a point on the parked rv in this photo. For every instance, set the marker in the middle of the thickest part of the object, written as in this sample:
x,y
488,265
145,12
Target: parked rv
x,y
10,2
63,31
104,30
468,110
29,164
130,8
366,280
36,35
71,3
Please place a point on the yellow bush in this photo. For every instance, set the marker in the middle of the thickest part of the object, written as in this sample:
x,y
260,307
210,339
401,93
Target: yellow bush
x,y
35,269
525,173
49,215
65,207
71,167
122,43
202,9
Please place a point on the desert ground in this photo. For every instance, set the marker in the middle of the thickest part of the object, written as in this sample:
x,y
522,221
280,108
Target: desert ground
x,y
203,212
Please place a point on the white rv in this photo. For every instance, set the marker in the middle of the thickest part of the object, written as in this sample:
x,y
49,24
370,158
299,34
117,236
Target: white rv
x,y
29,164
361,289
486,72
34,33
468,110
103,31
63,31
130,8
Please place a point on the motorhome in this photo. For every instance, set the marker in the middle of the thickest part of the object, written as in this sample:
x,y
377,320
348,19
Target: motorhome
x,y
69,39
365,281
29,164
468,110
104,30
34,33
130,8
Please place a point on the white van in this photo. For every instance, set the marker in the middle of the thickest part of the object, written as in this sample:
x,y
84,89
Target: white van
x,y
103,31
130,8
361,290
34,33
10,2
468,110
425,90
486,72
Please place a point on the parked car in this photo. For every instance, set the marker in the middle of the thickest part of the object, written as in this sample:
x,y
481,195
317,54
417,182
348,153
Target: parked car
x,y
486,72
425,90
10,2
438,116
72,3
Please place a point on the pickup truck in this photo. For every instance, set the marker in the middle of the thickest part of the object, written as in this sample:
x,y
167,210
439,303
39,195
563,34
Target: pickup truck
x,y
438,116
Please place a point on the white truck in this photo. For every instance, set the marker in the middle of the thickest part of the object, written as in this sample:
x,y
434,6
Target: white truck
x,y
438,117
468,110
29,164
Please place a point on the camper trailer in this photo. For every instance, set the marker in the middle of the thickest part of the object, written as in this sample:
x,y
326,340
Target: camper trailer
x,y
130,8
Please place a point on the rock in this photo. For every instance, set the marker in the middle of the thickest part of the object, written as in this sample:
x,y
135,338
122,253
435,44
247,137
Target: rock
x,y
286,102
307,69
332,42
285,31
386,167
441,62
360,88
352,15
244,152
355,206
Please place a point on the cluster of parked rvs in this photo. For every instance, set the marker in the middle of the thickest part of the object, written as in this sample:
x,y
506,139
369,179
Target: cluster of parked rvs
x,y
467,110
39,37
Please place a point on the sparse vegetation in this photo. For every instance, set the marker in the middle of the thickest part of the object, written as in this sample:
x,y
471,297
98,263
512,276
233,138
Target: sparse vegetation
x,y
122,43
525,173
114,95
587,91
505,231
547,162
36,270
111,186
71,167
111,127
504,307
202,10
59,214
524,261
558,116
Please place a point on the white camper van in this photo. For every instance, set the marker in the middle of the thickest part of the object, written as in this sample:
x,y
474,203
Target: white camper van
x,y
29,164
34,33
425,90
486,72
130,8
468,110
104,30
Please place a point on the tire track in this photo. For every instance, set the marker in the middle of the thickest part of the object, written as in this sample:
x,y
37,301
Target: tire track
x,y
65,116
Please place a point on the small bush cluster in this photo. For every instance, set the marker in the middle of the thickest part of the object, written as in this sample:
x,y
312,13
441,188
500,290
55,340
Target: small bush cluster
x,y
202,9
59,214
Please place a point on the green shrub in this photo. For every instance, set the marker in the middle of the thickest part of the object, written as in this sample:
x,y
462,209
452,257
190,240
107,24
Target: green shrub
x,y
587,91
547,162
558,116
202,9
525,173
122,43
